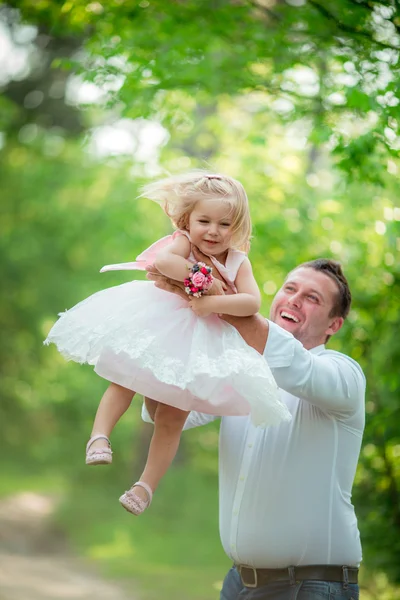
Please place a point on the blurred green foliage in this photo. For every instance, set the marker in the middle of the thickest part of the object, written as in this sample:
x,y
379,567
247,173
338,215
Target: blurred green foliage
x,y
277,94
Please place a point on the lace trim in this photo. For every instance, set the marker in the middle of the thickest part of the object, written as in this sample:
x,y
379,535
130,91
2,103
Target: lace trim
x,y
248,373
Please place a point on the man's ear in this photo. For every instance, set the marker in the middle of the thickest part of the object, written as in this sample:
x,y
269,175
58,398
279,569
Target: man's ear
x,y
335,325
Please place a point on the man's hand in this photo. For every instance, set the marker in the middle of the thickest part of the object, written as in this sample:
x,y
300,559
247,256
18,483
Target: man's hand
x,y
218,288
164,283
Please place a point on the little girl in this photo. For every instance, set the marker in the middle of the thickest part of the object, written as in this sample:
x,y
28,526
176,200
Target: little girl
x,y
177,352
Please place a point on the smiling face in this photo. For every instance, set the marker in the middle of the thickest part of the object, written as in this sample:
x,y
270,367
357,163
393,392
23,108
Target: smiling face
x,y
210,227
304,304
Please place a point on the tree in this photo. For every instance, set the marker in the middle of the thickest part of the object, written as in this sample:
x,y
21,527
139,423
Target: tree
x,y
271,92
336,67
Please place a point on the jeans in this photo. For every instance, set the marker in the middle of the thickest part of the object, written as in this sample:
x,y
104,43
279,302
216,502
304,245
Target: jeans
x,y
233,589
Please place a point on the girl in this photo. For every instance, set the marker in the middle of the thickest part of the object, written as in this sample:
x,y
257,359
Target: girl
x,y
179,353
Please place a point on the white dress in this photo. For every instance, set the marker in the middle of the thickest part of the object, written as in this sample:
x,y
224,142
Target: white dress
x,y
150,341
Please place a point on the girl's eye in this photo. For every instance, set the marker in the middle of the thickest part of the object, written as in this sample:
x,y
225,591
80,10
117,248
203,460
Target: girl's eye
x,y
225,224
202,221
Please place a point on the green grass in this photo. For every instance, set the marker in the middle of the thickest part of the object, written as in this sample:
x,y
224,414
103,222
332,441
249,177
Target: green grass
x,y
173,551
172,548
17,478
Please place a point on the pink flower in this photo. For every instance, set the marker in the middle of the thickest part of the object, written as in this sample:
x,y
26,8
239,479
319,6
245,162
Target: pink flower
x,y
198,279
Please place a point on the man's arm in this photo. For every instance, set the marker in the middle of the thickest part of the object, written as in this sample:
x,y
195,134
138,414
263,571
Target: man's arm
x,y
254,330
330,380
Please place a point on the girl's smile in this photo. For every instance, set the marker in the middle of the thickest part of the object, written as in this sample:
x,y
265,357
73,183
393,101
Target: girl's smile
x,y
210,227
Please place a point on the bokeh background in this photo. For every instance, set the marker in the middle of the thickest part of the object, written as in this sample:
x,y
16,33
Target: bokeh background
x,y
299,99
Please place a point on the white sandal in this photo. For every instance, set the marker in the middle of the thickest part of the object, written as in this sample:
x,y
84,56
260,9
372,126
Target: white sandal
x,y
99,456
133,503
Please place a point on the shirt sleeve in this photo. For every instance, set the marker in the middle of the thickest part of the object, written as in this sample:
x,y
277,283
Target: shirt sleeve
x,y
330,380
195,419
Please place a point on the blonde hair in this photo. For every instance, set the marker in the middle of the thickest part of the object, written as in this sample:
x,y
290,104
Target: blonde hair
x,y
178,195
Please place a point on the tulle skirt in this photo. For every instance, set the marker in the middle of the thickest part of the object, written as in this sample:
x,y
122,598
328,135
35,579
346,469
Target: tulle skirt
x,y
150,341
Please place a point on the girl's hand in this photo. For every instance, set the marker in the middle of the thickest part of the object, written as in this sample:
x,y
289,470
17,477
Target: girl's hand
x,y
202,307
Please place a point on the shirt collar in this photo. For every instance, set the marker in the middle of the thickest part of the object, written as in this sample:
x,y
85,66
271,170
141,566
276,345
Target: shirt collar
x,y
317,349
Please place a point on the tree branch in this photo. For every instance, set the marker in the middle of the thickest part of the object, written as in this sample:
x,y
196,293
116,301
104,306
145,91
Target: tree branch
x,y
351,30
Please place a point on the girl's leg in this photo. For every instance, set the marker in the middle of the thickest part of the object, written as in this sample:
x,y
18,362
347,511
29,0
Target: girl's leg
x,y
115,401
168,425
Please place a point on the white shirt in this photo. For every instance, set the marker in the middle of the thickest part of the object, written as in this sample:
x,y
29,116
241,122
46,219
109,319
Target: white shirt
x,y
285,491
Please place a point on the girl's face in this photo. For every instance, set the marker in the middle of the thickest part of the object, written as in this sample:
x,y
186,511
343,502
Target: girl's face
x,y
210,227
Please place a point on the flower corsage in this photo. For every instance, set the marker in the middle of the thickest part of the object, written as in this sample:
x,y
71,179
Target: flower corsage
x,y
199,280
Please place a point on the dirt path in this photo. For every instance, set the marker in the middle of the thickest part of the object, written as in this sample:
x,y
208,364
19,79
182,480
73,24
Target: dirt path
x,y
34,562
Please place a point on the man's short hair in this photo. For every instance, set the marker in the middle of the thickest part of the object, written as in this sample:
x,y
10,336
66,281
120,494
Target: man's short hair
x,y
333,269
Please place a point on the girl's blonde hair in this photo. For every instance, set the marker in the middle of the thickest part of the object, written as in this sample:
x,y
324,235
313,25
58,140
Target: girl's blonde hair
x,y
179,194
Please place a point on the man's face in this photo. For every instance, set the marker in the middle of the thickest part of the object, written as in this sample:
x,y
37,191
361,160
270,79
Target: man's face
x,y
303,304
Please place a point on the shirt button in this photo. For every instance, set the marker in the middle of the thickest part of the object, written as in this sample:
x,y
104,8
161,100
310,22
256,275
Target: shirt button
x,y
235,513
242,478
249,445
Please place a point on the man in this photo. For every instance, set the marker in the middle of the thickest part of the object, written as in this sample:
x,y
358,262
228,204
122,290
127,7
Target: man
x,y
286,518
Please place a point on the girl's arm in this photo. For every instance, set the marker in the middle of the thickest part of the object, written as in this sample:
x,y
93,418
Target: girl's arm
x,y
172,260
245,303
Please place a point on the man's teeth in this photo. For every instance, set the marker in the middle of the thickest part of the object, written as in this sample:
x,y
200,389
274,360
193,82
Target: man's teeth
x,y
291,317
